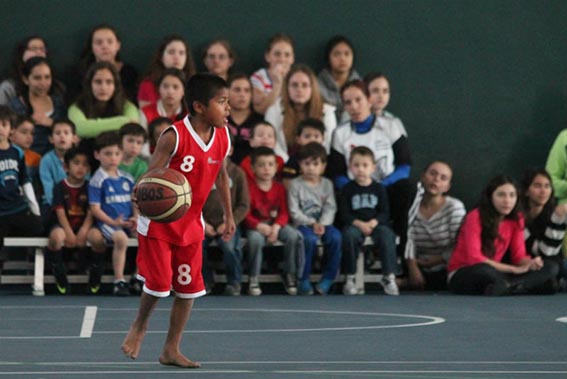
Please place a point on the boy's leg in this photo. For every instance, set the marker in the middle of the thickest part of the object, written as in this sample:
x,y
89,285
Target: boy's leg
x,y
133,342
120,240
256,243
352,238
171,355
385,239
232,256
294,250
310,240
207,271
98,248
55,256
332,241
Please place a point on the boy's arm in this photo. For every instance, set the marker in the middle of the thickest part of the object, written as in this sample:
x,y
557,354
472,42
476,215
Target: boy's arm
x,y
63,220
345,211
295,211
223,186
100,215
46,179
383,207
241,204
283,213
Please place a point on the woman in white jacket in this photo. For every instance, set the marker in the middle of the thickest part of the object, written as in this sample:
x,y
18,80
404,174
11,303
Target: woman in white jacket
x,y
300,99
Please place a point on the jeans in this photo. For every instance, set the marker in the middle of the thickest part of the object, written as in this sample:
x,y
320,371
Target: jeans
x,y
332,241
232,257
382,236
294,251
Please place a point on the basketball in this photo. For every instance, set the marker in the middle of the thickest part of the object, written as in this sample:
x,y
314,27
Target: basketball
x,y
164,195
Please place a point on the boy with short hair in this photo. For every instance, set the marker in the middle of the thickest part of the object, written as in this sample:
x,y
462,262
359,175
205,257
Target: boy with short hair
x,y
312,208
133,137
215,226
268,221
308,130
22,136
51,170
169,254
263,134
364,211
19,210
110,199
74,220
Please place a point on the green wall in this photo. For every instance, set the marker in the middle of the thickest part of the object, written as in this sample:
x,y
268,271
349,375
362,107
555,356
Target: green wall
x,y
481,84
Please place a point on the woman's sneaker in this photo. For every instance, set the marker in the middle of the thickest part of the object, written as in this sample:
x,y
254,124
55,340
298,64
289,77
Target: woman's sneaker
x,y
349,287
254,286
389,284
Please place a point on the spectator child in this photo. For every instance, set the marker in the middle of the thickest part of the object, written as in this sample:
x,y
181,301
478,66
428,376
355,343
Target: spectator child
x,y
339,69
74,220
103,45
434,221
308,130
300,99
263,134
242,117
155,128
312,209
19,211
364,211
22,136
110,199
268,222
219,57
267,82
489,232
33,46
171,88
215,227
545,220
133,138
51,166
173,52
38,99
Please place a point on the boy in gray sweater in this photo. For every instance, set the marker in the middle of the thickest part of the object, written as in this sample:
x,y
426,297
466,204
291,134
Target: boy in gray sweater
x,y
312,208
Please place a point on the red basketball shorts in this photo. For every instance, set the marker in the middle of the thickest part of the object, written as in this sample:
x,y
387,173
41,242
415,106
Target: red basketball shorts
x,y
162,266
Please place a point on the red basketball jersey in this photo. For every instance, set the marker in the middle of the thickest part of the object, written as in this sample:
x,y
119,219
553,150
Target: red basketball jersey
x,y
200,163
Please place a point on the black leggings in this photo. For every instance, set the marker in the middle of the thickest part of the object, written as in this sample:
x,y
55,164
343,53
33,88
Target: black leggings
x,y
483,279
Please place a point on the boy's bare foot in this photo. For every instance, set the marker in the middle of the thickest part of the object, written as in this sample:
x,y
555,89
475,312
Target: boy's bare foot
x,y
133,342
177,359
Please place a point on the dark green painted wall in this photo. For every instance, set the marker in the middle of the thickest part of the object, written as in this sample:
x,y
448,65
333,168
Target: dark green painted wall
x,y
481,84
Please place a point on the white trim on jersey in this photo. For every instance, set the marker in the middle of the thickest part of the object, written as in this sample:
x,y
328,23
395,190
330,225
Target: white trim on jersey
x,y
200,142
229,142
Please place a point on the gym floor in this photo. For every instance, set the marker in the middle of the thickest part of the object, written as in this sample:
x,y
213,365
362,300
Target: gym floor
x,y
279,336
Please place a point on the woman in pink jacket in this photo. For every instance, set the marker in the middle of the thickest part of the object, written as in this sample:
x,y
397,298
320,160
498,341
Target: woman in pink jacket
x,y
490,255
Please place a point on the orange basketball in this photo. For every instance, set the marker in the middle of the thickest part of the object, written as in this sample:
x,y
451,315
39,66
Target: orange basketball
x,y
164,195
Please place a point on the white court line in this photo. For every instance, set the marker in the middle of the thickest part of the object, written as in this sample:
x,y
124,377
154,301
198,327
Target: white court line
x,y
287,372
136,363
88,322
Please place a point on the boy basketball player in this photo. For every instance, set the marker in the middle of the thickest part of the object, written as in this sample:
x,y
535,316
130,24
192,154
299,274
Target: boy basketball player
x,y
169,254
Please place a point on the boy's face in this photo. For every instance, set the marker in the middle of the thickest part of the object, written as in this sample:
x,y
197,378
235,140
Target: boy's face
x,y
265,167
132,145
362,167
78,167
62,137
312,168
264,135
23,135
217,110
109,157
5,130
309,134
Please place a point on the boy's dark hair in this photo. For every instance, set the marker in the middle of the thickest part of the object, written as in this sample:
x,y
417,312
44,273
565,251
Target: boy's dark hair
x,y
260,151
132,129
106,139
312,150
202,88
155,123
363,151
73,152
7,114
312,123
262,122
20,119
65,121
